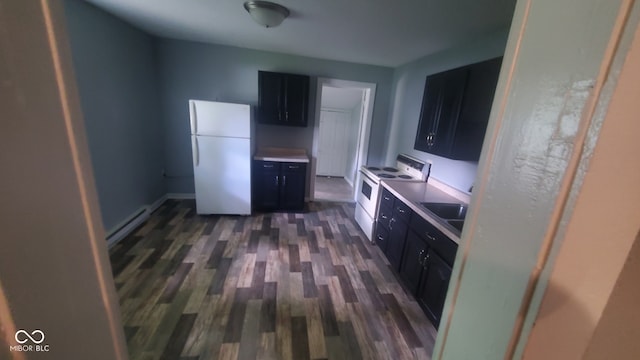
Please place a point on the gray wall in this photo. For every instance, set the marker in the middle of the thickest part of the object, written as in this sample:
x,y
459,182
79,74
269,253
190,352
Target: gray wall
x,y
191,70
408,90
116,75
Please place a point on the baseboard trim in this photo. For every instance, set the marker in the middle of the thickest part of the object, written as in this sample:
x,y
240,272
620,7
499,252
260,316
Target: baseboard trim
x,y
348,181
124,228
181,196
156,204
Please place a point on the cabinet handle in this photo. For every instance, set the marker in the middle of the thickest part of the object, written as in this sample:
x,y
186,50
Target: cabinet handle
x,y
391,223
286,114
294,167
430,237
401,211
383,216
380,238
284,180
267,166
386,198
420,259
426,261
277,180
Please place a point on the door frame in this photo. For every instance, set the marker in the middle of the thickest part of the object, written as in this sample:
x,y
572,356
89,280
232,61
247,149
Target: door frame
x,y
369,95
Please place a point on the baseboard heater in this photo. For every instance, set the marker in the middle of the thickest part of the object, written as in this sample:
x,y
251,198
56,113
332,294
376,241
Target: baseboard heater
x,y
127,226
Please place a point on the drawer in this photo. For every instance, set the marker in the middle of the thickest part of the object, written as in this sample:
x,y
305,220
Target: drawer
x,y
386,198
401,210
294,167
381,238
267,166
384,216
439,242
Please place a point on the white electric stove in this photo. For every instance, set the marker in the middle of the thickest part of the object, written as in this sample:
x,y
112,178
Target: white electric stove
x,y
407,169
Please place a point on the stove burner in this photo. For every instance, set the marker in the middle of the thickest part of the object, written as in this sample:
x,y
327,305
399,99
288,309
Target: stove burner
x,y
404,176
390,169
373,168
386,176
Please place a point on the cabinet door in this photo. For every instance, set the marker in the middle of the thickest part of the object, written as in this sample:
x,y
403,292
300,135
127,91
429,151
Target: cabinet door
x,y
266,185
440,109
270,97
415,252
397,235
433,287
447,119
476,108
381,238
293,186
295,101
431,103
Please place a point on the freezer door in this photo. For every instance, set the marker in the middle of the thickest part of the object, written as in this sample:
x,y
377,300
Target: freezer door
x,y
219,119
222,175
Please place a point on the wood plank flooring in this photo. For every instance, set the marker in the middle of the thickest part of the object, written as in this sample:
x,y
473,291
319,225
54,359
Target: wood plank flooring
x,y
269,286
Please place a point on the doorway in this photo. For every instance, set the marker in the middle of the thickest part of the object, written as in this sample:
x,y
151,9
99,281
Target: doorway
x,y
340,138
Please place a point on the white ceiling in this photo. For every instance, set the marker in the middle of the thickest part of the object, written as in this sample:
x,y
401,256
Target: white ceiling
x,y
378,32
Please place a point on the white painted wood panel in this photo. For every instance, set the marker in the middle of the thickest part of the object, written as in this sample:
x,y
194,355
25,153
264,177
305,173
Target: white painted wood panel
x,y
333,143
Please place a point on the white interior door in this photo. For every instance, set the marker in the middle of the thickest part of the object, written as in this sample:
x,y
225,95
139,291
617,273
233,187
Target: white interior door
x,y
333,143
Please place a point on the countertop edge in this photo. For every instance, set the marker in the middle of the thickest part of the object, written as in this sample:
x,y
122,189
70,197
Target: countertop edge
x,y
296,159
417,208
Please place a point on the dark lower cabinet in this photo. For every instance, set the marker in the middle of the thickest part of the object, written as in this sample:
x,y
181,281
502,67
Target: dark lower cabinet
x,y
433,287
397,236
420,253
412,264
391,229
293,186
382,238
279,186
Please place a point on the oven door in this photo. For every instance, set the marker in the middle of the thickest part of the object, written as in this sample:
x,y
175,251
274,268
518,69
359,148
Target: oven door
x,y
368,194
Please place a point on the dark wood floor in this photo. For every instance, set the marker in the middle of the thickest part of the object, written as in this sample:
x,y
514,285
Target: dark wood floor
x,y
268,286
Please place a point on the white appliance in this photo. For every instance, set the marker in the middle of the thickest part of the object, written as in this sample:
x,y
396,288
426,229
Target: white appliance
x,y
407,169
221,146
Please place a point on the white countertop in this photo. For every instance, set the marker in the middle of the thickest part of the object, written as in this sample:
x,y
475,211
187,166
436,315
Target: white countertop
x,y
413,193
282,155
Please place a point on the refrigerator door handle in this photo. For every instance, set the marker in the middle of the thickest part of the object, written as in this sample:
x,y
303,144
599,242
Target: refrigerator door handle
x,y
196,152
194,121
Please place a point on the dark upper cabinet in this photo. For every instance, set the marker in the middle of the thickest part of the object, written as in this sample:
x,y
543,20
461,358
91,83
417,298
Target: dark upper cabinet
x,y
455,110
282,99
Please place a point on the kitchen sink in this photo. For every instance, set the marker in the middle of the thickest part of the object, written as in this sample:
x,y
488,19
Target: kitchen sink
x,y
447,211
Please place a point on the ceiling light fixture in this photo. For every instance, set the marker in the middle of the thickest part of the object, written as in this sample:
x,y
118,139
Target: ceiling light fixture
x,y
266,13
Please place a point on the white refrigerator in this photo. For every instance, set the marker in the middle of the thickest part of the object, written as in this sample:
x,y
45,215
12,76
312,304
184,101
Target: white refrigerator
x,y
221,147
